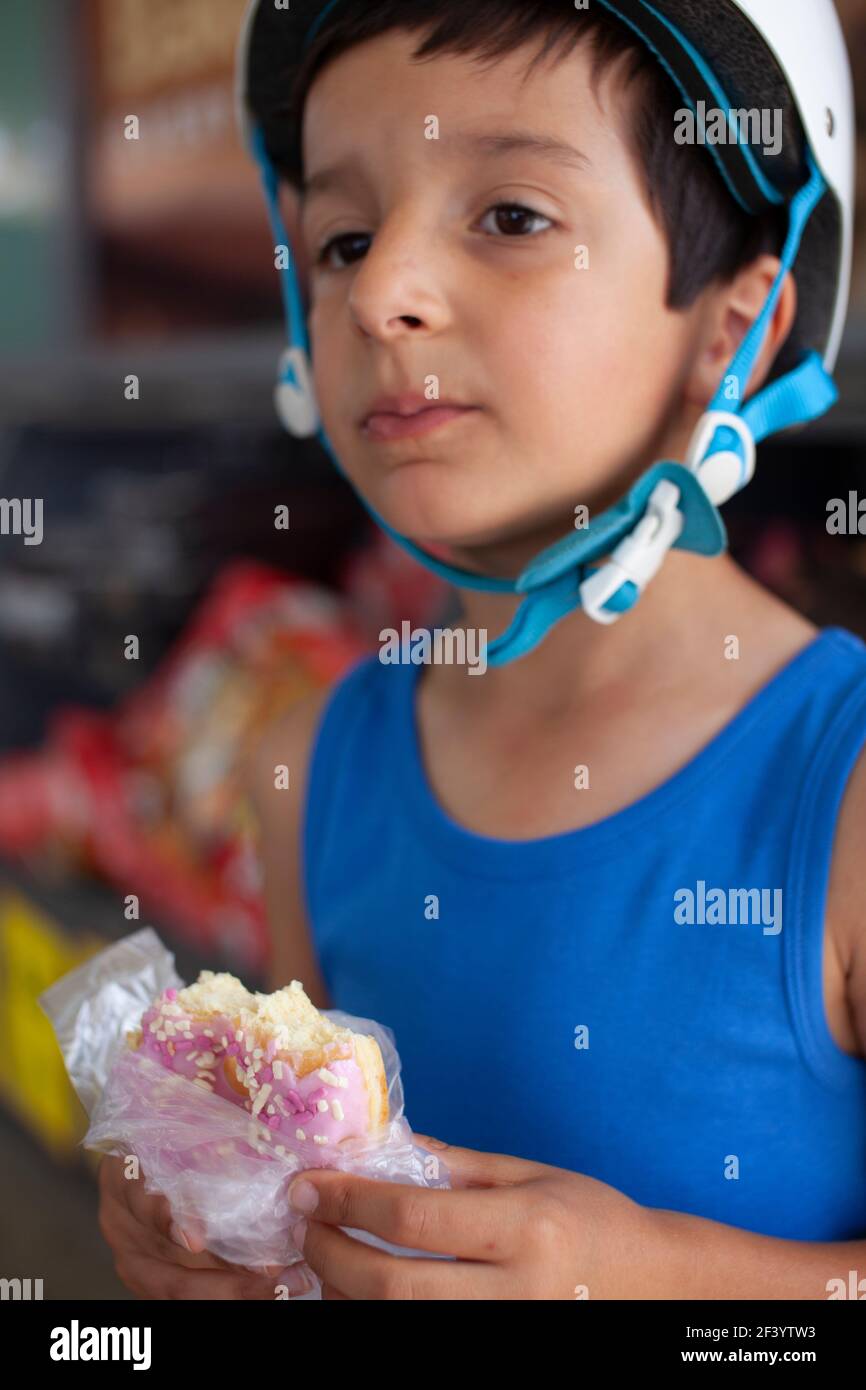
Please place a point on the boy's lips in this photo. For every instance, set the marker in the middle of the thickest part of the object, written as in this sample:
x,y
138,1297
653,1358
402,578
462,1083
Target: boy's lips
x,y
387,425
400,417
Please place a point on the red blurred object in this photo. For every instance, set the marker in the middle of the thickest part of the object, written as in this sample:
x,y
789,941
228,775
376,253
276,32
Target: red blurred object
x,y
777,556
148,796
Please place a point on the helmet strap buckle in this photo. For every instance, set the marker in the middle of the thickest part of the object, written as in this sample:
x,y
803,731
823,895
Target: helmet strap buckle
x,y
722,472
294,395
637,558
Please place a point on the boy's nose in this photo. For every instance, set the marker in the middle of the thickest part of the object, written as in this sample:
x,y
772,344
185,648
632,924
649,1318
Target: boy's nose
x,y
397,288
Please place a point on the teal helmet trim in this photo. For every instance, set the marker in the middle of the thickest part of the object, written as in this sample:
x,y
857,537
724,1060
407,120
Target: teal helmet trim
x,y
672,505
639,16
318,22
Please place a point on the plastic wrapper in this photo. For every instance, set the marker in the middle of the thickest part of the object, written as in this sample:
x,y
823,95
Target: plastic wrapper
x,y
208,1156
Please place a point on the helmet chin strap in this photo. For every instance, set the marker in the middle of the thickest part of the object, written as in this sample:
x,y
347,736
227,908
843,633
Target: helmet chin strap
x,y
671,506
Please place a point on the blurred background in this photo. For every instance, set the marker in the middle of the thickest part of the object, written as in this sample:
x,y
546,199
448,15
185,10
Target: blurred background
x,y
169,613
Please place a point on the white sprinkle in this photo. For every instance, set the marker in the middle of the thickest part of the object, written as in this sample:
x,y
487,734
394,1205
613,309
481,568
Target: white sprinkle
x,y
187,1034
319,1139
207,1059
299,1134
337,1109
322,1105
170,1028
278,1070
207,1032
160,1035
264,1092
205,1085
332,1079
248,1061
224,1040
280,1150
257,1052
239,1035
271,1110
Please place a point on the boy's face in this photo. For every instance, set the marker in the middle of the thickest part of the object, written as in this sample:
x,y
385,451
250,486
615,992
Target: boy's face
x,y
577,374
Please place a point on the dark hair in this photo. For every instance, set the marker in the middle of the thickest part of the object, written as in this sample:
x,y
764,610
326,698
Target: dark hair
x,y
709,235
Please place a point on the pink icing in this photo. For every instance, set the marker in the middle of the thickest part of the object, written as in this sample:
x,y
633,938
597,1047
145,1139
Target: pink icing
x,y
298,1094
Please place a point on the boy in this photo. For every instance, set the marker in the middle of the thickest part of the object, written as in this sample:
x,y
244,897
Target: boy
x,y
537,879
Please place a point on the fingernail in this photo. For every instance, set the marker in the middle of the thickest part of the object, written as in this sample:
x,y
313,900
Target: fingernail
x,y
299,1232
179,1237
295,1279
303,1195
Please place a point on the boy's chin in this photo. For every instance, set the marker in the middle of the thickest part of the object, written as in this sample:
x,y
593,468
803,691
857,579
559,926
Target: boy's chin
x,y
461,524
487,551
435,515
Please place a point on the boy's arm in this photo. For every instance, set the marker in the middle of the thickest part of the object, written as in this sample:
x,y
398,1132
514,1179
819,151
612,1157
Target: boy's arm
x,y
698,1258
693,1257
278,813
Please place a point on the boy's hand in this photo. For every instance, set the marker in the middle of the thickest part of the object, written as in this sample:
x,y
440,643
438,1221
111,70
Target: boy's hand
x,y
519,1230
151,1260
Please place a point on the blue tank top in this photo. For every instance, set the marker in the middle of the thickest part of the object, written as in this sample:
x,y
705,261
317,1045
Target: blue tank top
x,y
611,1000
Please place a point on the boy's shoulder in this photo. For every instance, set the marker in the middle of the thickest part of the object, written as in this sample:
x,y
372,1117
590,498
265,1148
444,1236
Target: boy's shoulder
x,y
288,739
285,742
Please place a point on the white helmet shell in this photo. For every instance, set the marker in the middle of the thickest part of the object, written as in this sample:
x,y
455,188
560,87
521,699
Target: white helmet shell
x,y
806,39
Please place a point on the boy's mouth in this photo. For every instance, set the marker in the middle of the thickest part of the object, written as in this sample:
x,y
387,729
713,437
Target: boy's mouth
x,y
400,417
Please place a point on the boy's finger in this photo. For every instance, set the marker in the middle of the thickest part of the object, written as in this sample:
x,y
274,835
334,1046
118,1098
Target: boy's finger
x,y
149,1208
130,1235
189,1234
153,1209
465,1224
473,1168
156,1279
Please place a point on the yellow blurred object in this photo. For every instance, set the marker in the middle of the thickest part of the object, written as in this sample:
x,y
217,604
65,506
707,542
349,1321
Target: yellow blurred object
x,y
34,952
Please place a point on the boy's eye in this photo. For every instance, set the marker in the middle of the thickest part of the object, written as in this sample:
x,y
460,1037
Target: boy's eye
x,y
510,218
514,223
346,238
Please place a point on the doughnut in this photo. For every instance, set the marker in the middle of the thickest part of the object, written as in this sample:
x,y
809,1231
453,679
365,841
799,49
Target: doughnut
x,y
307,1080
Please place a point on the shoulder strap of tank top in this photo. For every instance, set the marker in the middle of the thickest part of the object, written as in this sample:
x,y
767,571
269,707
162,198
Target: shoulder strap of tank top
x,y
822,789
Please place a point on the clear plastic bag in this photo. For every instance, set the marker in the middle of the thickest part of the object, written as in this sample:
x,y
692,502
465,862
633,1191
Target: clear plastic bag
x,y
208,1156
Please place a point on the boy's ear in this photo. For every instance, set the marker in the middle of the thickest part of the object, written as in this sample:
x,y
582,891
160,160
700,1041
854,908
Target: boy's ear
x,y
733,309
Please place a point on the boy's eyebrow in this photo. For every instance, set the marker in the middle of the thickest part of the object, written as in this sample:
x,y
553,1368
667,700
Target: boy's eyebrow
x,y
490,142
